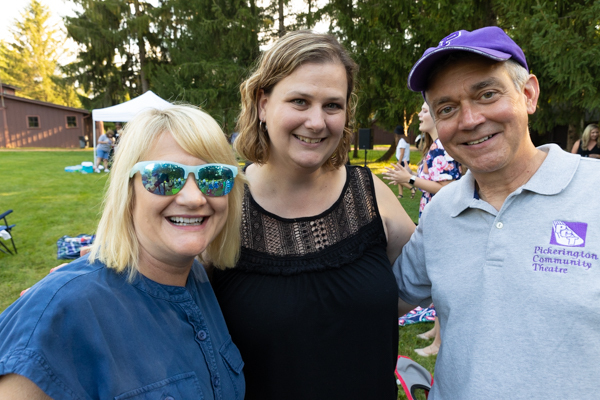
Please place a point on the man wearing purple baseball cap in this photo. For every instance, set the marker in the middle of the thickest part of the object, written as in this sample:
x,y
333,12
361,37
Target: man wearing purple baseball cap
x,y
507,254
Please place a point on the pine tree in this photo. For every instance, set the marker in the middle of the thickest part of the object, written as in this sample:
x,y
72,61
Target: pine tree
x,y
386,38
210,46
117,44
30,60
561,41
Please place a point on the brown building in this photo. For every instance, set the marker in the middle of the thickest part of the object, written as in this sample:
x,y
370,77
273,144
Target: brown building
x,y
32,123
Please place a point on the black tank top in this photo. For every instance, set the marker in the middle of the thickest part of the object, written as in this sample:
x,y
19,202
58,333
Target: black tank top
x,y
312,303
585,152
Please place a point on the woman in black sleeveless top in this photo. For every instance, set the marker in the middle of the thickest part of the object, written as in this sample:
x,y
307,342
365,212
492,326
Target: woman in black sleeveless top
x,y
587,146
312,302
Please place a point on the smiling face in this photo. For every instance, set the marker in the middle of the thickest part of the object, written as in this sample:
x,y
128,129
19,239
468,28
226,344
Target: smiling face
x,y
481,117
172,230
594,134
305,115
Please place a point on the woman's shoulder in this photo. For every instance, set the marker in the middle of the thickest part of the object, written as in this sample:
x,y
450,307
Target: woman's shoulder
x,y
48,307
78,283
357,174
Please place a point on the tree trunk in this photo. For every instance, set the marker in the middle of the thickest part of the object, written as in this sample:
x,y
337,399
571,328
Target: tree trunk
x,y
142,49
390,152
281,18
572,137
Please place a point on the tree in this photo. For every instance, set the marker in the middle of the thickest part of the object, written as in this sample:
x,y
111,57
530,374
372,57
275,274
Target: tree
x,y
561,40
117,43
386,38
210,46
30,60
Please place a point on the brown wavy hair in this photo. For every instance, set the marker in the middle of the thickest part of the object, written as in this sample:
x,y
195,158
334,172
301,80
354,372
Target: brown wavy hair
x,y
287,54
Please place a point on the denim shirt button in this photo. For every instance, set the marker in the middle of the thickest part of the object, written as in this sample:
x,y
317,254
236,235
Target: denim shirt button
x,y
202,335
216,381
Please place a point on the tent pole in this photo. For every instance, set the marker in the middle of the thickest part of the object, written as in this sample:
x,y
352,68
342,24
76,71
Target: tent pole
x,y
94,128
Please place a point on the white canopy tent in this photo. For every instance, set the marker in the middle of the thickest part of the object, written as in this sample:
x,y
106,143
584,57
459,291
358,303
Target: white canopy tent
x,y
126,111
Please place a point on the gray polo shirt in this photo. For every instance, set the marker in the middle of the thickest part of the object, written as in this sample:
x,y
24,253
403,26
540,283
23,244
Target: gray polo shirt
x,y
517,291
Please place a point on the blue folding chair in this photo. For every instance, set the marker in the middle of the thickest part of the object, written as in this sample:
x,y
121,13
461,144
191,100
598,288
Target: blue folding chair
x,y
6,227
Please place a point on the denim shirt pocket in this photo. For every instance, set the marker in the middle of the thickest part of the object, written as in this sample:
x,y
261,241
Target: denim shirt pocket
x,y
234,364
179,387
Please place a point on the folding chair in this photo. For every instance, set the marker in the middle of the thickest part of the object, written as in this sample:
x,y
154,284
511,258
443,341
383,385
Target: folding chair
x,y
5,233
412,376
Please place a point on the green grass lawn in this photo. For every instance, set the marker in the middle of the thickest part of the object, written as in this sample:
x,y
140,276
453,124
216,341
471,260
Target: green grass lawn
x,y
411,206
48,203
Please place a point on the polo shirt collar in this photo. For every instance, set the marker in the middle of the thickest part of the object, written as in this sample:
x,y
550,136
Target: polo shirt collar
x,y
555,173
559,165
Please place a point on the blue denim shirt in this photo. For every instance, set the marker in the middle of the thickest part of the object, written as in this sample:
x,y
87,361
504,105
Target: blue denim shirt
x,y
84,332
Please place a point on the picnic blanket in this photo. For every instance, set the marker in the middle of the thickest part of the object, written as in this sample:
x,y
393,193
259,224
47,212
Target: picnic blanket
x,y
417,315
69,247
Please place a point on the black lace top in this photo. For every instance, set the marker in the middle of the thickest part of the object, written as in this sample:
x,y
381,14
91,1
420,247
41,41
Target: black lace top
x,y
312,303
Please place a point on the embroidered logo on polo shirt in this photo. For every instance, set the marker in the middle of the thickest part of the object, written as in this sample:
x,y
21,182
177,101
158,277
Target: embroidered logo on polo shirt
x,y
569,234
550,258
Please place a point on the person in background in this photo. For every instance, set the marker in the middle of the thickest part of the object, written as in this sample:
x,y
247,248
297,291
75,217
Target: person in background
x,y
137,317
436,169
508,250
103,149
312,303
419,141
234,136
403,157
587,146
118,134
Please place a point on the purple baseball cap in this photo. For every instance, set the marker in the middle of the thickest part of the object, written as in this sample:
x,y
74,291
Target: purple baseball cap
x,y
490,42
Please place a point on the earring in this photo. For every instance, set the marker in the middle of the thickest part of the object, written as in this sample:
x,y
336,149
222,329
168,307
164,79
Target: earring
x,y
262,126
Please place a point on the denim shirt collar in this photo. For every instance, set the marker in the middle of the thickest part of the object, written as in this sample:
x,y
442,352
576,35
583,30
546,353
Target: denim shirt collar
x,y
196,276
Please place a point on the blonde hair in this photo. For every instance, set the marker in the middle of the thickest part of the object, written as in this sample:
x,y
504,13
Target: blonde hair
x,y
116,243
287,54
585,136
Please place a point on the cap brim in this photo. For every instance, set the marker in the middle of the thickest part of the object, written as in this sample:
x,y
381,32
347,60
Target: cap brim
x,y
417,79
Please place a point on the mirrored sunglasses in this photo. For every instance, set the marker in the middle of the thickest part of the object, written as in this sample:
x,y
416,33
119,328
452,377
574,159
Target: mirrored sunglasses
x,y
168,178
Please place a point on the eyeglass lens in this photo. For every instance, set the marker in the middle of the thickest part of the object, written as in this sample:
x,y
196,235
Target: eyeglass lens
x,y
168,179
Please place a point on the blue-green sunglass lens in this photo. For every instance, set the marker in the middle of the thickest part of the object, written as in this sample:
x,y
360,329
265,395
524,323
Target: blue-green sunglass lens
x,y
215,181
163,179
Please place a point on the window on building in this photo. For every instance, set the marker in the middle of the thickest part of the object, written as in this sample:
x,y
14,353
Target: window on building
x,y
71,121
33,121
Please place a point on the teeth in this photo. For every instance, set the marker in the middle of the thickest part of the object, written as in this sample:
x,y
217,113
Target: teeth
x,y
186,221
480,140
308,140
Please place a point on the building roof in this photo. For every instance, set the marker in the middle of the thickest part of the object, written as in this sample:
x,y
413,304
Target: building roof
x,y
44,103
11,86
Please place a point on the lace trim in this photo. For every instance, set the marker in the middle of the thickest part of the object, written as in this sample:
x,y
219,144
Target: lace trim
x,y
338,236
335,257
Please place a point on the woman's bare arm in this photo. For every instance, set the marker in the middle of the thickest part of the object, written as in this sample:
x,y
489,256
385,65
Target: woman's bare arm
x,y
17,387
398,175
398,225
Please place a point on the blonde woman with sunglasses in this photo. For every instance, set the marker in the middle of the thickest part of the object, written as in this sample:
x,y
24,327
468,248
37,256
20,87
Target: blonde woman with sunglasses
x,y
137,318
